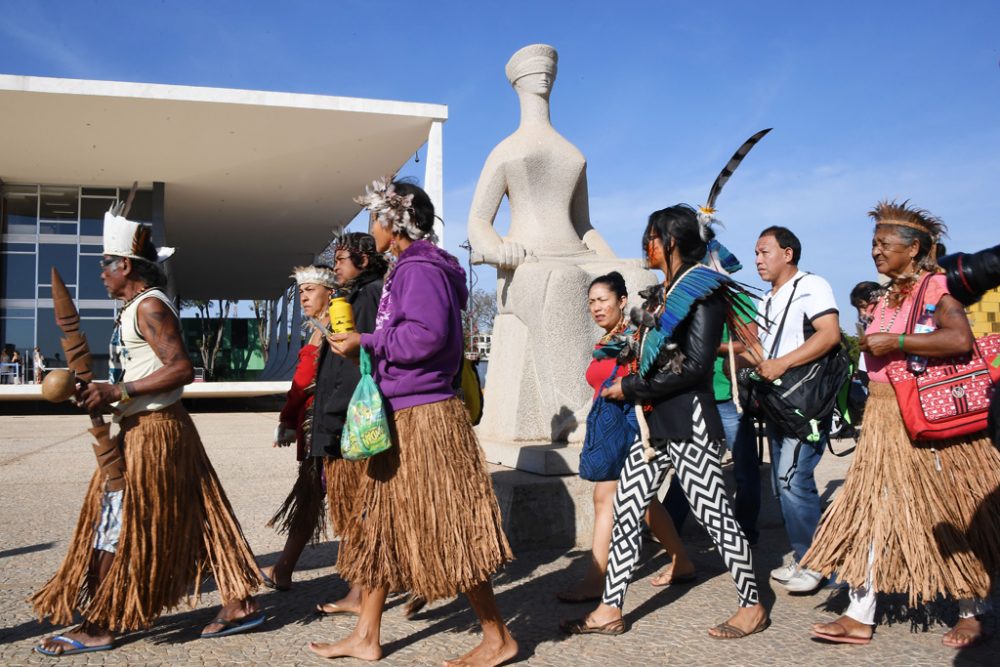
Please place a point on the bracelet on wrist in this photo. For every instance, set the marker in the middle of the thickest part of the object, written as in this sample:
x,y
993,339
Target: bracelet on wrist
x,y
902,338
125,396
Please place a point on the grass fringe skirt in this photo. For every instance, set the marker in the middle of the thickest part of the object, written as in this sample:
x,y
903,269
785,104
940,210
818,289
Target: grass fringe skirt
x,y
343,478
303,508
426,519
931,510
177,526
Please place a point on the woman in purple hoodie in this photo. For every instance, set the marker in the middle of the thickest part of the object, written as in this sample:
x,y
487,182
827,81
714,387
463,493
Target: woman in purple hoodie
x,y
427,518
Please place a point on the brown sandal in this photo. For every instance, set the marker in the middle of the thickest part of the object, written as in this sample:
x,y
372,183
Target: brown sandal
x,y
843,638
732,632
581,627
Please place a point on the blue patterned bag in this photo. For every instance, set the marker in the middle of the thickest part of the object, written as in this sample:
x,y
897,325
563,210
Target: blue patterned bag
x,y
611,430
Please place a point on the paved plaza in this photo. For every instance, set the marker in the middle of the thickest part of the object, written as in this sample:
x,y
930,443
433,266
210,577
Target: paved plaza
x,y
45,463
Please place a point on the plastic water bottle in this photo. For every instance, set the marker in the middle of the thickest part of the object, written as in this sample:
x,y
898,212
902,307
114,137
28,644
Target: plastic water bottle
x,y
925,324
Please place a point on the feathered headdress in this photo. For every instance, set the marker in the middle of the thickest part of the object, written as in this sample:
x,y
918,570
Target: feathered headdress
x,y
706,212
127,238
314,275
392,210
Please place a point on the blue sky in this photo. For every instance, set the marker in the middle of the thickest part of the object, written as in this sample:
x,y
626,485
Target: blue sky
x,y
868,99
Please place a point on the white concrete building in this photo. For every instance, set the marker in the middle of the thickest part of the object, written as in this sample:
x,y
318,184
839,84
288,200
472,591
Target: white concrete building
x,y
244,183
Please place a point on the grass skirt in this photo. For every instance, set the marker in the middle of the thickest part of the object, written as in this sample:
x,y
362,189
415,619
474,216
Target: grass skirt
x,y
302,510
176,525
343,478
931,510
426,519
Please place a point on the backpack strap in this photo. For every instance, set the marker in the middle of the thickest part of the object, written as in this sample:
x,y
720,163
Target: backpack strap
x,y
784,316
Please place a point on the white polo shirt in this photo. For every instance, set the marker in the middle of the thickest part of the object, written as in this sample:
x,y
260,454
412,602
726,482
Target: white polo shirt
x,y
813,298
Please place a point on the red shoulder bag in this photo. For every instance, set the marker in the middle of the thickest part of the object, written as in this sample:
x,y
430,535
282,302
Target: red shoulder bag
x,y
952,397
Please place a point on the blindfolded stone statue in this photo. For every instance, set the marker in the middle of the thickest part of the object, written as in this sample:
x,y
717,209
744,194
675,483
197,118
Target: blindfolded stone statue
x,y
543,334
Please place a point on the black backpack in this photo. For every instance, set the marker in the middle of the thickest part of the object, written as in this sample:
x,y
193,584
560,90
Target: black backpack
x,y
802,397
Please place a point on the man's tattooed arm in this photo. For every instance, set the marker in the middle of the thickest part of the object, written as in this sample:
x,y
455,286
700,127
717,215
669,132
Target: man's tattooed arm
x,y
161,329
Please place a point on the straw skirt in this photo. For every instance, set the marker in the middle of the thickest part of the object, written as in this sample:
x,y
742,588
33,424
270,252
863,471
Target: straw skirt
x,y
343,478
930,510
426,519
176,527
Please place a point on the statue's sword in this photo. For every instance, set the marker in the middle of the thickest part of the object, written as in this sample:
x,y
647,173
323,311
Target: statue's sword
x,y
74,344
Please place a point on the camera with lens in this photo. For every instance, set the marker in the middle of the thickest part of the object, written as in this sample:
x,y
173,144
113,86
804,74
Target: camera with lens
x,y
970,275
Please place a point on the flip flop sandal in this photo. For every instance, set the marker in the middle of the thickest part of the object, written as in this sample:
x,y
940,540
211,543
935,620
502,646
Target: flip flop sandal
x,y
322,609
270,583
235,626
735,633
840,639
580,627
682,580
77,647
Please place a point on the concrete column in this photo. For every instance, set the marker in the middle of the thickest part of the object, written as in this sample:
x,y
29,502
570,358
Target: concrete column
x,y
160,237
434,175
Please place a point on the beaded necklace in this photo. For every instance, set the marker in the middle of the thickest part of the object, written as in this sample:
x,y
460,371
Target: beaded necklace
x,y
121,311
881,314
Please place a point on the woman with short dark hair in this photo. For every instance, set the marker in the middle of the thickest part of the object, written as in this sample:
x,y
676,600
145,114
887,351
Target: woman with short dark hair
x,y
607,299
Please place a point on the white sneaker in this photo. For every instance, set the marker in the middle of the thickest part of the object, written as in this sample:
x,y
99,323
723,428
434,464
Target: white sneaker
x,y
804,581
785,572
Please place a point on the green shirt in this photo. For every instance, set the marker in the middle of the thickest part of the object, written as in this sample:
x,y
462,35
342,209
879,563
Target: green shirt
x,y
720,380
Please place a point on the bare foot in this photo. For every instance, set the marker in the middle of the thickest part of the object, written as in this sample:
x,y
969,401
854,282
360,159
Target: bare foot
x,y
844,627
967,631
349,604
487,654
352,646
232,611
675,573
87,634
746,621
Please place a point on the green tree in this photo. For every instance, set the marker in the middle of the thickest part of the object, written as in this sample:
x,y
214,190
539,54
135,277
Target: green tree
x,y
210,332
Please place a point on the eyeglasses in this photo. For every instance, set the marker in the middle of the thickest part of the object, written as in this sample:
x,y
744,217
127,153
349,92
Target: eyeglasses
x,y
105,263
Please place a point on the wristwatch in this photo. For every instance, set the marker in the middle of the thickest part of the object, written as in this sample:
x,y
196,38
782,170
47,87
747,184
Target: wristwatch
x,y
125,398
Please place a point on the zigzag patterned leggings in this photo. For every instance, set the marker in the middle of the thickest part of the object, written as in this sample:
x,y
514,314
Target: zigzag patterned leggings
x,y
700,473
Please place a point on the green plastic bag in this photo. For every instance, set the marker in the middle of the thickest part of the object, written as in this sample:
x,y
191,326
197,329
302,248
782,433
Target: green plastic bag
x,y
366,429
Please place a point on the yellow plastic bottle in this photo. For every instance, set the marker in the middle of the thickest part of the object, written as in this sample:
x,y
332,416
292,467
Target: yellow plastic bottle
x,y
341,317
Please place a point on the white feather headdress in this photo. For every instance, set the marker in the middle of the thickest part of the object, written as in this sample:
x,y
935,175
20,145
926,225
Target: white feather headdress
x,y
314,275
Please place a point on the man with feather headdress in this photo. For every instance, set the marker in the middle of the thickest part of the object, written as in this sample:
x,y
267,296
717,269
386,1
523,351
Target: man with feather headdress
x,y
139,550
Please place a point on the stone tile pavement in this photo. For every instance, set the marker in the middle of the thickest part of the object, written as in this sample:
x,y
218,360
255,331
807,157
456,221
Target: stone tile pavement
x,y
45,462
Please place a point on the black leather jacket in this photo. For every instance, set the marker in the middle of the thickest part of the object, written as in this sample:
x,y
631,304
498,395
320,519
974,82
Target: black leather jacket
x,y
672,394
336,377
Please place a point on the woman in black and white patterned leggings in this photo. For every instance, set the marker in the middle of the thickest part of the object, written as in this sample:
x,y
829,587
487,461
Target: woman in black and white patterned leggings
x,y
685,431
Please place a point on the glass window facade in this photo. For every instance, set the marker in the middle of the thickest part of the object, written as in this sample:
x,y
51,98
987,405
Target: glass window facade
x,y
57,226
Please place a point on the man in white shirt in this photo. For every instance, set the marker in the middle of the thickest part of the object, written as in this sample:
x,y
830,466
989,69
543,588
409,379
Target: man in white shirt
x,y
811,329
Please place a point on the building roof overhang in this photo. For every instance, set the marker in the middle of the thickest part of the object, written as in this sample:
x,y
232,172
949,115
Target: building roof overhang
x,y
255,181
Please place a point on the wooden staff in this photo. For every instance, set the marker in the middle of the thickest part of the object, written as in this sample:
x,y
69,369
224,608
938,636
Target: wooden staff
x,y
77,350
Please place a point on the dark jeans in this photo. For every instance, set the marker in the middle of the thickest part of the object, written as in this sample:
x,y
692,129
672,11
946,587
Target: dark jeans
x,y
742,442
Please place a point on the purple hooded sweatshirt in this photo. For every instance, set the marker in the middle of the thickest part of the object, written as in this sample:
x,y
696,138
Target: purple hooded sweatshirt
x,y
417,344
